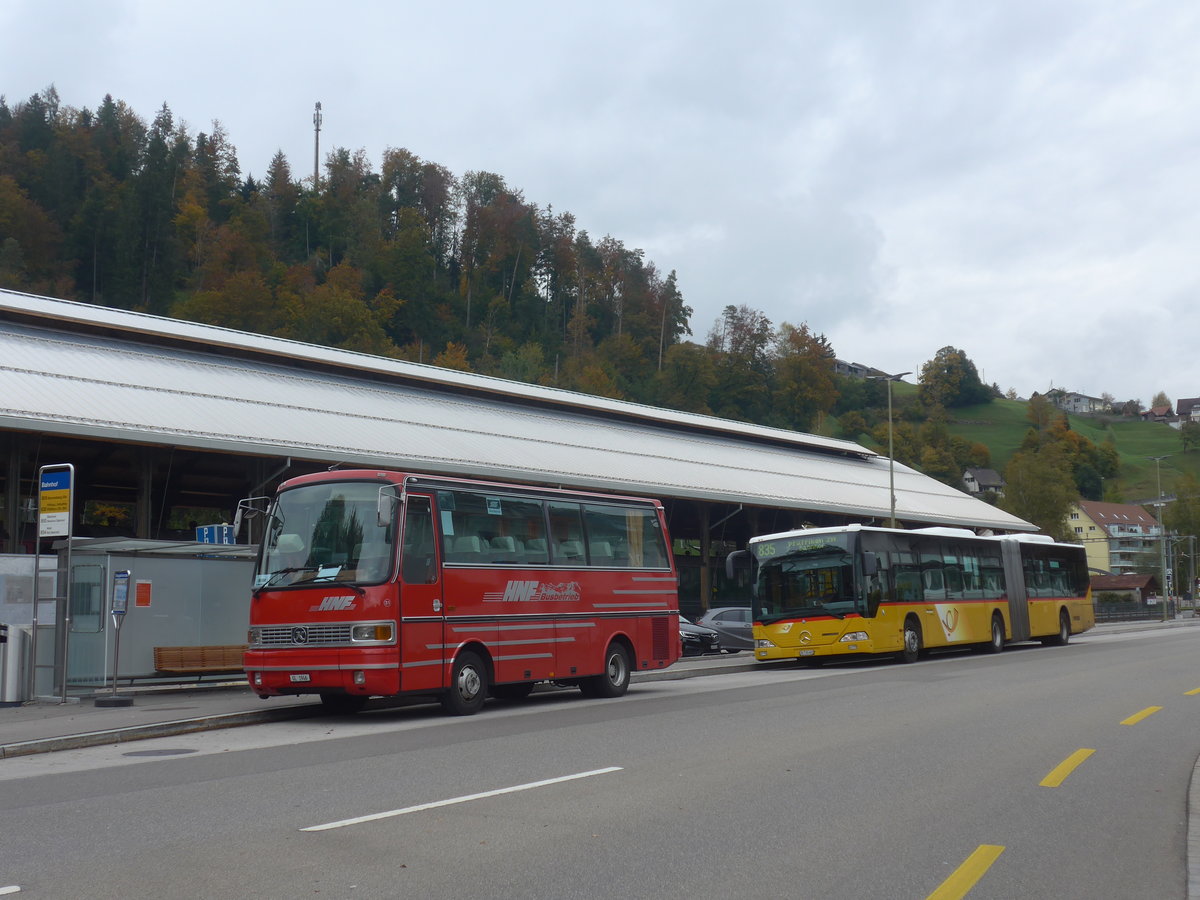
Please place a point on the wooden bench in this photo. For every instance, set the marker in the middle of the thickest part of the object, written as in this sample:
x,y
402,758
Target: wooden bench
x,y
199,660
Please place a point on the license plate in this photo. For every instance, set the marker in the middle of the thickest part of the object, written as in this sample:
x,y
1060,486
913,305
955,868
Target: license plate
x,y
802,653
300,679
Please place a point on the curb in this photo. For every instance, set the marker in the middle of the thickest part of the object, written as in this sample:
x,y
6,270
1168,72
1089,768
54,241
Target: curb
x,y
1193,835
158,729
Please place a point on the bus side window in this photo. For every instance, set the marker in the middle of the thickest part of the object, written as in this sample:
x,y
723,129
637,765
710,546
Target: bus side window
x,y
419,564
908,586
566,533
876,587
933,580
625,537
906,575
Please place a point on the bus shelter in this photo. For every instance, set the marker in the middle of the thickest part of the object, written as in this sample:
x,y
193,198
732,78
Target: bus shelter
x,y
181,597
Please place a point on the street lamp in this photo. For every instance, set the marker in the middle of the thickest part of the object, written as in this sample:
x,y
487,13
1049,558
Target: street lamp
x,y
891,447
1162,532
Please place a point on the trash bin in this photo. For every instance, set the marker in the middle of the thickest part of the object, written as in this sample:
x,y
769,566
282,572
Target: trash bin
x,y
15,641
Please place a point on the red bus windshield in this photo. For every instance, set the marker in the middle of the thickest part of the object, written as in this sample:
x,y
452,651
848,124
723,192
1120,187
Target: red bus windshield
x,y
326,533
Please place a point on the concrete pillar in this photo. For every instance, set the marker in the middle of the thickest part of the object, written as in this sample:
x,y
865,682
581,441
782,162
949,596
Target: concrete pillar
x,y
10,516
705,550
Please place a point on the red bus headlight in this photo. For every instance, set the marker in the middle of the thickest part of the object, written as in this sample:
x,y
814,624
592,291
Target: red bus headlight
x,y
373,632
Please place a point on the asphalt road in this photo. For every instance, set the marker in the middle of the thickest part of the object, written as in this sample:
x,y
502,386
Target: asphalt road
x,y
966,773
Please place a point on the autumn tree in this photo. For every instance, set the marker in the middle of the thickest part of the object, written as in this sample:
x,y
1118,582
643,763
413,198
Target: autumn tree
x,y
1039,487
525,363
670,310
1189,434
1089,464
852,424
950,380
337,314
804,383
741,340
1182,517
1040,412
453,357
687,380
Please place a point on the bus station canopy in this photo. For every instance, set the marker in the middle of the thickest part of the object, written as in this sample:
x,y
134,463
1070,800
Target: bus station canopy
x,y
74,369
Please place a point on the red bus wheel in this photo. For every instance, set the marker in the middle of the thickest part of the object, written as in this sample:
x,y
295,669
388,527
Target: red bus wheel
x,y
468,685
614,681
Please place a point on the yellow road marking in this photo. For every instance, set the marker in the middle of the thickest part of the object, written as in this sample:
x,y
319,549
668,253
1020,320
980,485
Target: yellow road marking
x,y
963,878
1192,692
1138,716
1060,772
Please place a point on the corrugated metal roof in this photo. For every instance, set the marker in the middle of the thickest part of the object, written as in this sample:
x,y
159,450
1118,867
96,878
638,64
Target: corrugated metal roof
x,y
76,369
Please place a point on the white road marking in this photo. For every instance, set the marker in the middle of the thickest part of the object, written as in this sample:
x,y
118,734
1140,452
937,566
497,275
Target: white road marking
x,y
373,817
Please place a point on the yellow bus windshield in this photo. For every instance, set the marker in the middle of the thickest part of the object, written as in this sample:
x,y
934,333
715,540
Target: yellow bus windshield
x,y
805,577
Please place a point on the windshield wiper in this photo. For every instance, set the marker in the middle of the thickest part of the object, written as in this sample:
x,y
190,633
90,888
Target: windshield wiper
x,y
288,571
322,580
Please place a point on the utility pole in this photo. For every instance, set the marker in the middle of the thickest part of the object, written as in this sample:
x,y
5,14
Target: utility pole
x,y
1192,569
1162,533
317,147
891,445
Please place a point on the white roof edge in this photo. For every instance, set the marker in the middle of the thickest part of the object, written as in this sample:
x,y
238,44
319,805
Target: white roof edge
x,y
59,311
597,482
928,531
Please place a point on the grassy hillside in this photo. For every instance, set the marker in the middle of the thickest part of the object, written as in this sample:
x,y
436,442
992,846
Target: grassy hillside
x,y
1001,426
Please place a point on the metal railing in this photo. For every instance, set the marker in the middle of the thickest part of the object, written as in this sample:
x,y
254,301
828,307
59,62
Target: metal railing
x,y
1131,611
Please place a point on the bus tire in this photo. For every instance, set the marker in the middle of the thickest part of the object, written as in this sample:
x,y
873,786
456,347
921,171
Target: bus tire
x,y
912,641
343,704
1064,632
614,680
996,644
468,685
516,691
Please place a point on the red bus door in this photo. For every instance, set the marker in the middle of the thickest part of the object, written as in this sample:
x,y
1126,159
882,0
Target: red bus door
x,y
422,605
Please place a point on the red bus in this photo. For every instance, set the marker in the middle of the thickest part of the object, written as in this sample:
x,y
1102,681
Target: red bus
x,y
373,583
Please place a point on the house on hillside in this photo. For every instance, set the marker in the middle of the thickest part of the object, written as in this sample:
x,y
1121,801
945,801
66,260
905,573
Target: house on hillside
x,y
1188,410
855,370
1121,538
983,481
1074,402
1164,414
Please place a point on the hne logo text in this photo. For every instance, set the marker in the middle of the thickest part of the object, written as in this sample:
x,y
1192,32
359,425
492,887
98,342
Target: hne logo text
x,y
334,604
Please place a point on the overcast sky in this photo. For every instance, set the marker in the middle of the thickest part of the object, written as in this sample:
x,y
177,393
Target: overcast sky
x,y
1018,179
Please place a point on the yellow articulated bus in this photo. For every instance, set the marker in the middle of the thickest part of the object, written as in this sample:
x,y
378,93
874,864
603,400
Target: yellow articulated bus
x,y
827,592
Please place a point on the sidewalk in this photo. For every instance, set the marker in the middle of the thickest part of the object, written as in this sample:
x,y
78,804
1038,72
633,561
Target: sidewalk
x,y
43,727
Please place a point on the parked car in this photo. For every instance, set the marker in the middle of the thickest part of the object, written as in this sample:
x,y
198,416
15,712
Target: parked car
x,y
734,625
697,640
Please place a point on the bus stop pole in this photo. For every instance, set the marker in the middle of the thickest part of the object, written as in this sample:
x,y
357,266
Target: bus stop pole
x,y
120,601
